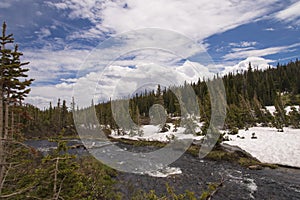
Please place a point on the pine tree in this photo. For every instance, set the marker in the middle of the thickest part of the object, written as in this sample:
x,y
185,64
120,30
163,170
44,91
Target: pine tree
x,y
280,114
295,118
13,90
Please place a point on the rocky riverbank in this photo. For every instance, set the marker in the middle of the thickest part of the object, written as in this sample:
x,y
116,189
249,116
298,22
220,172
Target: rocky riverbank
x,y
239,182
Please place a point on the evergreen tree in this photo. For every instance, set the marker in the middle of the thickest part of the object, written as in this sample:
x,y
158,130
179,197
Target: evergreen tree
x,y
13,90
280,114
295,117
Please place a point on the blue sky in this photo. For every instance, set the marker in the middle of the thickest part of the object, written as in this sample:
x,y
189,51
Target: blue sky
x,y
58,36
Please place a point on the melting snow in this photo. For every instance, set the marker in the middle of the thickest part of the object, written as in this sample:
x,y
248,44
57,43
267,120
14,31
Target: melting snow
x,y
151,133
288,109
270,146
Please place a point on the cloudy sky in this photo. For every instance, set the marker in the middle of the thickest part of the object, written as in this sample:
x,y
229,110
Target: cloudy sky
x,y
75,43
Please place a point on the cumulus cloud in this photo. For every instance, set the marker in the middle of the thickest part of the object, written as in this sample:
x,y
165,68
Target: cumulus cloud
x,y
256,63
47,66
39,101
121,82
41,96
118,82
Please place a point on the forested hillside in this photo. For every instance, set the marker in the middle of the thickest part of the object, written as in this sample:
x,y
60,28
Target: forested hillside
x,y
247,92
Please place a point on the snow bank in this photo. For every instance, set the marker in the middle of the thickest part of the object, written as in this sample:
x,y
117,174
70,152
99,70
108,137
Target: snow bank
x,y
151,133
270,146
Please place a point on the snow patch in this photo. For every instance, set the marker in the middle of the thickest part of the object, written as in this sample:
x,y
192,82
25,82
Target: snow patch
x,y
152,133
287,109
271,109
270,146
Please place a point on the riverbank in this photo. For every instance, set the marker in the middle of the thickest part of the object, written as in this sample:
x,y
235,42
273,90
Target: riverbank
x,y
197,174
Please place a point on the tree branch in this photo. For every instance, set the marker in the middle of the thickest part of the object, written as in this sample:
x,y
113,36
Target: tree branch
x,y
218,186
4,178
16,193
60,188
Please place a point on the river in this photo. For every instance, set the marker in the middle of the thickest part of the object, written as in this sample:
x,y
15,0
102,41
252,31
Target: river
x,y
196,174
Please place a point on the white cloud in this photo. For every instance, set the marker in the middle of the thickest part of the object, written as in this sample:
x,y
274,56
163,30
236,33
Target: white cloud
x,y
43,32
259,52
256,63
38,13
47,65
61,6
41,96
244,44
196,19
5,4
39,101
290,14
269,29
142,47
242,49
150,47
119,82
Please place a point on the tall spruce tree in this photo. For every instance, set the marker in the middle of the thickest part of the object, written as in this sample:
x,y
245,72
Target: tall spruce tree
x,y
13,90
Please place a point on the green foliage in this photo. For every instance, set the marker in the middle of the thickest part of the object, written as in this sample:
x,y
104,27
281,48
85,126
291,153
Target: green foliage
x,y
63,176
98,179
294,117
13,89
58,176
170,195
212,187
20,175
246,162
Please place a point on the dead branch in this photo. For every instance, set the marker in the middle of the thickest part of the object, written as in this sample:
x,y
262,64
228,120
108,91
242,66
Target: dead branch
x,y
218,186
18,192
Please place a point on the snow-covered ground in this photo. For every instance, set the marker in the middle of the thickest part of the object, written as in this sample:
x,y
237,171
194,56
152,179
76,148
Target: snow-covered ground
x,y
270,146
152,133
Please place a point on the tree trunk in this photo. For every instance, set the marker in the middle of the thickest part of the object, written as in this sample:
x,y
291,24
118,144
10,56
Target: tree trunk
x,y
55,179
2,153
12,124
6,124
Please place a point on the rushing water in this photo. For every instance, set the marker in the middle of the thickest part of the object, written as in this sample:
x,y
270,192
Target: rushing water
x,y
194,174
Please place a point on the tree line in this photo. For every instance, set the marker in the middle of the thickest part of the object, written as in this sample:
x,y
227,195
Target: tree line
x,y
247,94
